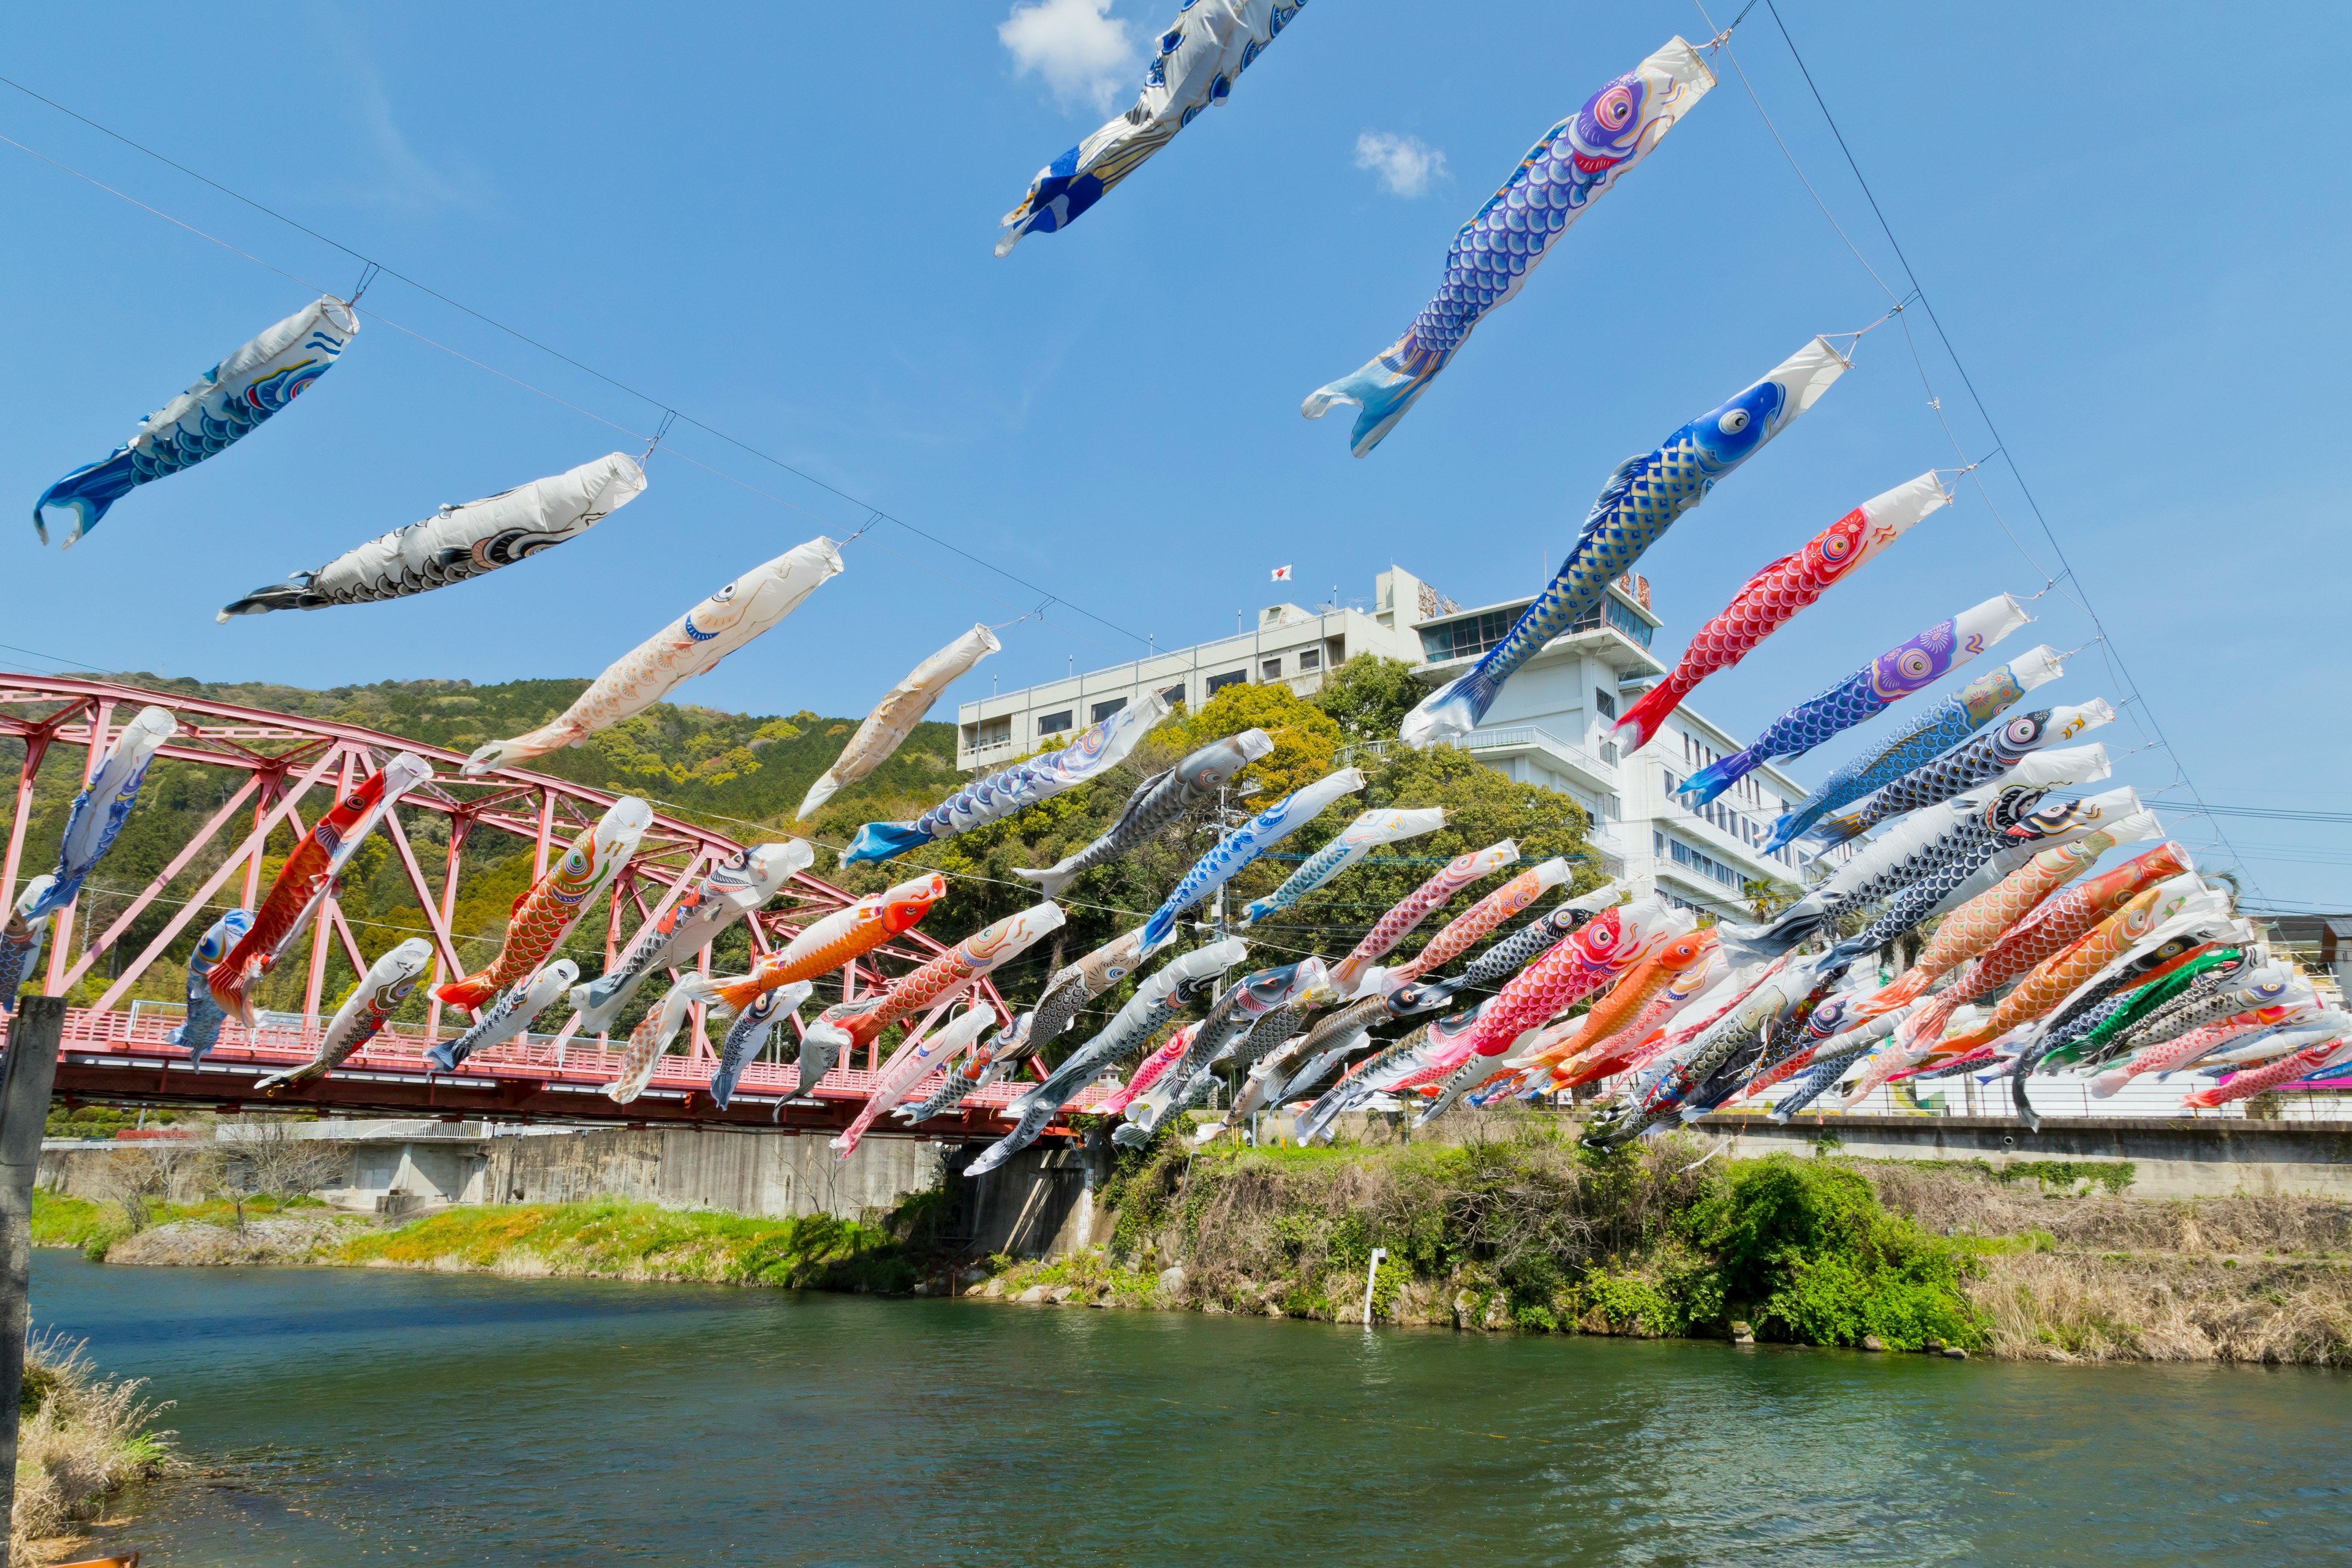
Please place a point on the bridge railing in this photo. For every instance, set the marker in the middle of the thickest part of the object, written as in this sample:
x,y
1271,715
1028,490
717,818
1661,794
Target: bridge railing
x,y
138,1037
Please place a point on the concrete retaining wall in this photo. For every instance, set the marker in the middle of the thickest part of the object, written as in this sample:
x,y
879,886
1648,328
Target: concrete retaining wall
x,y
1041,1202
2203,1159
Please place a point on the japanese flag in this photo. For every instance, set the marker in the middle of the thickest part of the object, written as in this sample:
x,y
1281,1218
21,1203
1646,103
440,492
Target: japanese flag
x,y
1281,574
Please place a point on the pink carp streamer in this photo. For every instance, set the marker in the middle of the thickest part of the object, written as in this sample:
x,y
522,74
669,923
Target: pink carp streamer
x,y
1416,907
1150,1070
1458,935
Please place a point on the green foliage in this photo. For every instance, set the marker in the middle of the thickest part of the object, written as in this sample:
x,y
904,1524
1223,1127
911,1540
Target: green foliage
x,y
1805,1250
1368,696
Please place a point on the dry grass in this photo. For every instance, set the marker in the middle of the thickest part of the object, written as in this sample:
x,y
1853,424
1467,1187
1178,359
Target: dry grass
x,y
2088,1307
1955,1201
90,1435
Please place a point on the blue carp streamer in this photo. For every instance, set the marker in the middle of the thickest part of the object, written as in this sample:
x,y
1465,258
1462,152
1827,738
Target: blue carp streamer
x,y
1243,845
1196,62
1898,673
104,805
228,402
1943,726
1094,752
1641,502
1558,179
200,1029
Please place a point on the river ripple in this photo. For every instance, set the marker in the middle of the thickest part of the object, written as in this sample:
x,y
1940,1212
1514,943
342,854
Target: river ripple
x,y
369,1416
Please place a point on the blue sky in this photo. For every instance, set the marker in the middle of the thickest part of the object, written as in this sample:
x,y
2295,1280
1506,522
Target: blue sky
x,y
2131,221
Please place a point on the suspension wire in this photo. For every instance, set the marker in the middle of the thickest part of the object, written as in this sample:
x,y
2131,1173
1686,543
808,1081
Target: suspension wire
x,y
373,270
2064,580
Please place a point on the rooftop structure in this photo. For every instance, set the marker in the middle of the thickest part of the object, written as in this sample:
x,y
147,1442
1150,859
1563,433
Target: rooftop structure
x,y
1551,726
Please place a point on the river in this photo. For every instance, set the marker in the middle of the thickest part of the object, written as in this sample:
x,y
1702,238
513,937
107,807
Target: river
x,y
370,1416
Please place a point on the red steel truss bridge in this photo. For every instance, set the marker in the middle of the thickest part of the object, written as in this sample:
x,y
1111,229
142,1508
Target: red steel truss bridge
x,y
114,1049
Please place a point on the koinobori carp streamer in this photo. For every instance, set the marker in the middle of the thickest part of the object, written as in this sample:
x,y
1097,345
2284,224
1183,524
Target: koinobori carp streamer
x,y
1193,68
226,404
307,877
1639,503
104,804
546,914
1566,170
1901,671
1779,591
690,646
1094,752
458,542
895,717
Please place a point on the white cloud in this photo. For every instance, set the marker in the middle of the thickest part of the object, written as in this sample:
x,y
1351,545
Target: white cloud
x,y
1076,45
1405,165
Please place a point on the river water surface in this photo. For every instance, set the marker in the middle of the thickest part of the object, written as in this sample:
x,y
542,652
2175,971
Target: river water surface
x,y
354,1417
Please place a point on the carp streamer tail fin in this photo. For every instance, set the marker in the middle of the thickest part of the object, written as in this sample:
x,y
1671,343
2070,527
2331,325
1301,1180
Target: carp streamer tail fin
x,y
1050,883
87,493
1645,716
294,594
1446,714
1712,780
883,841
1381,391
469,993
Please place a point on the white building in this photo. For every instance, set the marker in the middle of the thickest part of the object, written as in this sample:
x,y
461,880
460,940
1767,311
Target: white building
x,y
1551,725
1287,644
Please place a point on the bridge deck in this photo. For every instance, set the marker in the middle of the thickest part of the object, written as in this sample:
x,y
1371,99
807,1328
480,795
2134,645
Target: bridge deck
x,y
122,1055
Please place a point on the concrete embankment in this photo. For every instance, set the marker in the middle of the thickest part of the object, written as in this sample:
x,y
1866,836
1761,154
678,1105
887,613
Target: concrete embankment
x,y
2213,1157
1039,1203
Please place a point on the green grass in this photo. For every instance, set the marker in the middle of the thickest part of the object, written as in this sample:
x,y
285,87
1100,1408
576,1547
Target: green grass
x,y
622,1240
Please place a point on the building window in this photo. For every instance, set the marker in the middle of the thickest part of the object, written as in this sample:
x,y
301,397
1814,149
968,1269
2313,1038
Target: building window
x,y
1269,669
1604,703
1231,677
992,732
1609,752
1462,638
1174,695
1684,855
1309,658
1102,711
1612,809
1054,723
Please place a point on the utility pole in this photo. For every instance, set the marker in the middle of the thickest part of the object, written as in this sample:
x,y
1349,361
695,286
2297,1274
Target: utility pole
x,y
28,1073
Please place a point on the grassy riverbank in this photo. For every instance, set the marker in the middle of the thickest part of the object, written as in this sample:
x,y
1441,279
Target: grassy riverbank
x,y
80,1436
1515,1230
1522,1231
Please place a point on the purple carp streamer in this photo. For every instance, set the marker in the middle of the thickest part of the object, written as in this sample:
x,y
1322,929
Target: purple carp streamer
x,y
1555,183
1899,672
1944,725
1201,55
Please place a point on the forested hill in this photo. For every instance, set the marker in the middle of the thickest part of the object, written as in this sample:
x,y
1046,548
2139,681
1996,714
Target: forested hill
x,y
744,775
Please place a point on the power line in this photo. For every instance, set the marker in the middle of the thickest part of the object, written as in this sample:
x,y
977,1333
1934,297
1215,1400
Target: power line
x,y
375,268
2066,571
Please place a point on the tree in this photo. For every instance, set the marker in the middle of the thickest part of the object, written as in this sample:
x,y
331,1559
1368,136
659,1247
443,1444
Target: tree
x,y
269,1156
1368,696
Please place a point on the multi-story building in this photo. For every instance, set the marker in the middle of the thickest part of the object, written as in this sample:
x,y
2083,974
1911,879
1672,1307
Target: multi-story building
x,y
1288,644
1551,725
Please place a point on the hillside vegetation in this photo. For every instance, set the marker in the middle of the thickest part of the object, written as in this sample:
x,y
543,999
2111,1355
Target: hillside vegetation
x,y
744,775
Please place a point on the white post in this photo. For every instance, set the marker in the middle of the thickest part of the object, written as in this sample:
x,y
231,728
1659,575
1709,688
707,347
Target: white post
x,y
1369,1275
